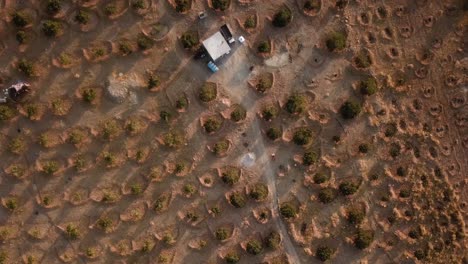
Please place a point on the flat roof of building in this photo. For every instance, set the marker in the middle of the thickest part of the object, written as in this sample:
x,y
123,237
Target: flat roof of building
x,y
216,46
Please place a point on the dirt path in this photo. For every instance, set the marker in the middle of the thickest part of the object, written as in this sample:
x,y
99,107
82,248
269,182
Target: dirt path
x,y
264,162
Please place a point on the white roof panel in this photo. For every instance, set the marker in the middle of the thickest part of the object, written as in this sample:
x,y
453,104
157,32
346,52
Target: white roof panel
x,y
216,46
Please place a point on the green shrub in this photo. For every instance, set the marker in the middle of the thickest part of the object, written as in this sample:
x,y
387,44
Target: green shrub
x,y
182,5
4,257
254,247
395,150
189,189
237,199
311,5
350,110
287,210
232,257
401,171
31,110
327,195
348,188
355,215
53,7
26,67
50,167
76,136
239,113
320,178
363,238
109,158
212,124
363,60
21,19
273,133
144,42
259,192
363,148
21,37
153,81
173,139
296,104
110,9
414,233
136,189
110,129
302,136
138,4
17,170
105,223
79,163
125,47
282,18
11,204
405,193
309,158
82,17
231,175
222,233
391,129
72,231
89,94
368,86
6,112
341,4
336,41
264,47
220,4
269,112
420,254
51,28
181,103
324,253
250,22
264,83
273,240
207,93
189,40
17,145
221,146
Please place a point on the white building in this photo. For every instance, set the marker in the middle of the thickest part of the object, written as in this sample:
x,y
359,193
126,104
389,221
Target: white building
x,y
216,46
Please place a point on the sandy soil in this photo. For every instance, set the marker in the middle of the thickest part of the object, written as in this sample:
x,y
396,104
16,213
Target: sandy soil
x,y
133,199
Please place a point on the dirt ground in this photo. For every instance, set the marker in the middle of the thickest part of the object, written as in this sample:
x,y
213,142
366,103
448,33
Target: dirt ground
x,y
135,199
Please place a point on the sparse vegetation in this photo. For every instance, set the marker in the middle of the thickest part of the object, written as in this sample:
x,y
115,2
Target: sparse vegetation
x,y
254,247
125,47
283,17
302,136
320,178
50,167
207,93
189,40
363,60
350,109
348,188
22,37
259,192
273,240
212,124
144,42
269,112
53,7
288,210
82,17
327,195
72,231
232,257
89,95
273,133
363,238
238,114
231,175
324,253
138,4
296,104
336,41
309,158
222,233
173,139
250,22
220,4
355,215
368,86
26,67
312,5
21,19
153,81
264,47
6,112
183,5
51,28
237,199
221,146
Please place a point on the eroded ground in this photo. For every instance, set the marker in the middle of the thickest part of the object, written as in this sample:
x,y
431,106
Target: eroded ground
x,y
131,177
